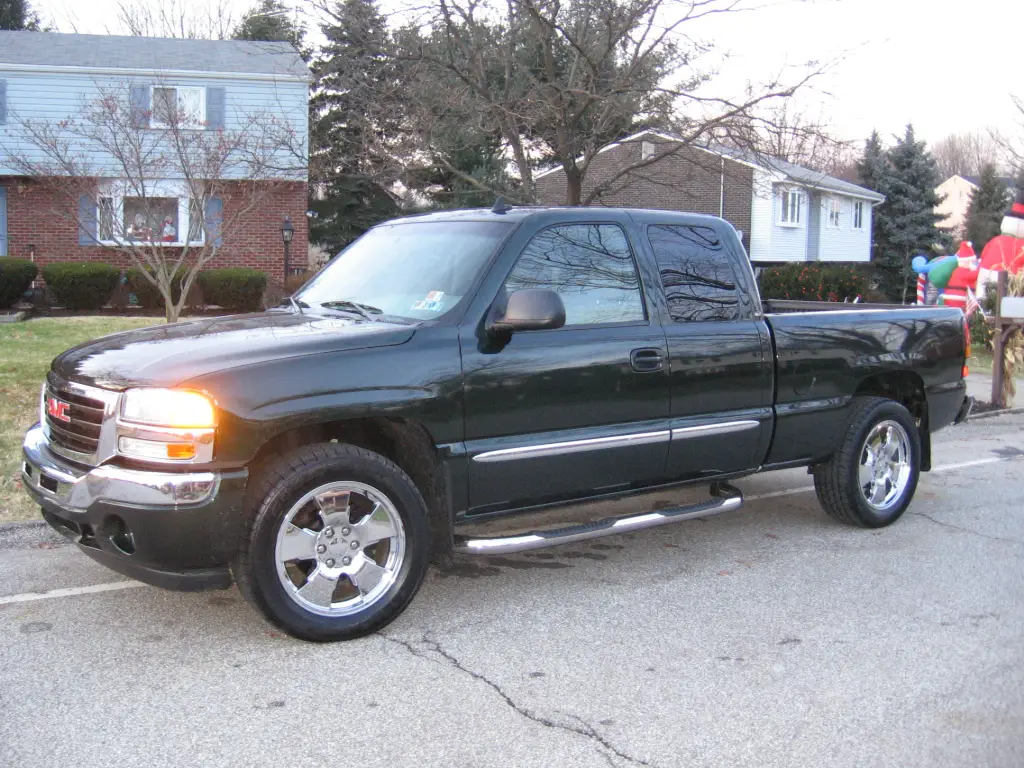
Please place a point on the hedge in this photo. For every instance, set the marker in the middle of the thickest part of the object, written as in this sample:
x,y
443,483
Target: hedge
x,y
813,282
237,288
147,294
81,285
16,275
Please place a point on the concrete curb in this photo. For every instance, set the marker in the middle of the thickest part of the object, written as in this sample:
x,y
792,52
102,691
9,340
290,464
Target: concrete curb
x,y
1000,412
18,525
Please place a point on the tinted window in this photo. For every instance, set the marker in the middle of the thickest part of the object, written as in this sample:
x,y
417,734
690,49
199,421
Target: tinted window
x,y
699,281
590,266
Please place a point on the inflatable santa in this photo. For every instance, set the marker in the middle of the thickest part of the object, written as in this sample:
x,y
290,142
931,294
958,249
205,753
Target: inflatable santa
x,y
1005,251
963,282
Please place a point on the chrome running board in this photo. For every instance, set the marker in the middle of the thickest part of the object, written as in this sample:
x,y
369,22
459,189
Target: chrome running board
x,y
724,498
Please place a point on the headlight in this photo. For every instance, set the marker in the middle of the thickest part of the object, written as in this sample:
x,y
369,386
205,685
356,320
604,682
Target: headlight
x,y
177,408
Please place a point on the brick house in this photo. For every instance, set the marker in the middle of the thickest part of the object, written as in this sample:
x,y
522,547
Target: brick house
x,y
47,78
782,211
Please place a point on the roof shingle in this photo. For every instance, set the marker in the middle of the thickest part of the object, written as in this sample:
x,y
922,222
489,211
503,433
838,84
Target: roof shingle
x,y
151,53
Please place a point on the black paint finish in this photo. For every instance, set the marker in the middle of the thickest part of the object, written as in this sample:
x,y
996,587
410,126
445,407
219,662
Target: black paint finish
x,y
472,393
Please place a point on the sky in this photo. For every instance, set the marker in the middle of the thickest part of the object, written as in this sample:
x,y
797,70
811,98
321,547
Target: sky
x,y
945,67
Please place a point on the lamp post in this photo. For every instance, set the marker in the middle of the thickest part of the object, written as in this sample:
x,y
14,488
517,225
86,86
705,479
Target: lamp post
x,y
287,233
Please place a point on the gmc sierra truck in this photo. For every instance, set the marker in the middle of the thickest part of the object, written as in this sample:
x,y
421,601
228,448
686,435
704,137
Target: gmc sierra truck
x,y
458,366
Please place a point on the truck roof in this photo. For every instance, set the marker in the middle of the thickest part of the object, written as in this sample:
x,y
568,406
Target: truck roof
x,y
521,213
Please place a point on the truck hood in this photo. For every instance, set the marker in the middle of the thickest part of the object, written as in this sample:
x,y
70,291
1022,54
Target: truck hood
x,y
168,355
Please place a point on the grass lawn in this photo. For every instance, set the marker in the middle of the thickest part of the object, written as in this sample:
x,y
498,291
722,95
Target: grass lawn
x,y
26,350
980,360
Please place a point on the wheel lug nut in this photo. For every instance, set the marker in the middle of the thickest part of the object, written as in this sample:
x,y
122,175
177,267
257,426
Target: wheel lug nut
x,y
328,532
321,549
355,545
346,561
330,562
344,531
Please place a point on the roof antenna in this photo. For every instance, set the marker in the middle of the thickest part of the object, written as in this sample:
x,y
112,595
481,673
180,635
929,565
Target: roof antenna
x,y
500,206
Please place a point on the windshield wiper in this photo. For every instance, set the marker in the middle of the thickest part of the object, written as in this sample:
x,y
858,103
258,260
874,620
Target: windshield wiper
x,y
363,310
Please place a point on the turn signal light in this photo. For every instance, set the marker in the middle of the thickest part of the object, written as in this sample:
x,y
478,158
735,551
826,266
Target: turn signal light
x,y
967,348
152,449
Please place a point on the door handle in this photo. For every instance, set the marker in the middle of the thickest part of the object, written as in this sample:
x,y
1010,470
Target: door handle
x,y
646,360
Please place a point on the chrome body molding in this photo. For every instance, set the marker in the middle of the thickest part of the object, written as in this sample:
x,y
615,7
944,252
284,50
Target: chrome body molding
x,y
615,441
573,446
707,430
76,490
727,498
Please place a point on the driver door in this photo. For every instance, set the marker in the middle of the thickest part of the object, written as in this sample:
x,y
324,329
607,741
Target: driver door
x,y
576,411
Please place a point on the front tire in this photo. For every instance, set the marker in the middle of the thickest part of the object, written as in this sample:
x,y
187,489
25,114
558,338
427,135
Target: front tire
x,y
870,481
337,543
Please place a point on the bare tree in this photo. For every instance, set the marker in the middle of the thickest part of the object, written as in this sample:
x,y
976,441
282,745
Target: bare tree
x,y
119,170
1011,146
965,154
212,20
559,81
781,132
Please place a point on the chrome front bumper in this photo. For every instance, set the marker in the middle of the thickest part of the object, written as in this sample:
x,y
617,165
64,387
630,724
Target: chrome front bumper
x,y
72,488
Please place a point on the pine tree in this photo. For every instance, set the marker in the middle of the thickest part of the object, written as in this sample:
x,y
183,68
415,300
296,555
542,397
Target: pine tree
x,y
18,15
269,21
906,223
352,74
985,209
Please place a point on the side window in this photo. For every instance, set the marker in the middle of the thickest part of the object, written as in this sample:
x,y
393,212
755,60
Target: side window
x,y
698,278
590,266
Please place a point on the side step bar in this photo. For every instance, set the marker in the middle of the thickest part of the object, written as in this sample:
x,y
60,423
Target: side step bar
x,y
724,498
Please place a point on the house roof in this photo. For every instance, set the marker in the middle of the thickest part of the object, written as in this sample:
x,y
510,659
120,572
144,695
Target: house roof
x,y
789,171
102,52
1008,181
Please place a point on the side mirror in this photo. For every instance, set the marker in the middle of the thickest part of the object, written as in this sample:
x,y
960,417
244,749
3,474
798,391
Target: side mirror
x,y
530,310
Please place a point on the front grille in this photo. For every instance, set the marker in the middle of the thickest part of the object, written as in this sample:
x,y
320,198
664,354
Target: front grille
x,y
82,433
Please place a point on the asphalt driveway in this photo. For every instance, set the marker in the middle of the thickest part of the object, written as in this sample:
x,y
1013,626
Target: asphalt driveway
x,y
767,637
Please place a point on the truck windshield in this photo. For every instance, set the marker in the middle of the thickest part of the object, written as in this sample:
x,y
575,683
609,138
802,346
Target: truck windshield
x,y
417,270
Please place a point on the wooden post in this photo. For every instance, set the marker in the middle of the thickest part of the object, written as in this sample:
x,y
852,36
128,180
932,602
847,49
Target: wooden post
x,y
998,361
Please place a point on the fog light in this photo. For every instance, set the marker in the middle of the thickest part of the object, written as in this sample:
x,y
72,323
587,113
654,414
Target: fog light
x,y
151,449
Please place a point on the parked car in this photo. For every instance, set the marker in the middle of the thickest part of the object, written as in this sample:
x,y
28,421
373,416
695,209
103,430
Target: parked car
x,y
459,366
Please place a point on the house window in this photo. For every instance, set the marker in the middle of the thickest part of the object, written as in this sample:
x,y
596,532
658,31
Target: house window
x,y
791,209
149,219
835,210
646,150
858,215
183,107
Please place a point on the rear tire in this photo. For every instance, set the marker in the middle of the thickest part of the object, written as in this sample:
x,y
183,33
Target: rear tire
x,y
870,480
336,542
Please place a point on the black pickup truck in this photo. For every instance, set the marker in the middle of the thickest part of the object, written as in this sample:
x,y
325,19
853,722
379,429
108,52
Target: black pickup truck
x,y
458,366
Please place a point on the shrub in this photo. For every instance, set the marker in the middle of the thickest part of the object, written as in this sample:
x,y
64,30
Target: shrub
x,y
147,294
813,282
238,288
16,275
81,285
293,283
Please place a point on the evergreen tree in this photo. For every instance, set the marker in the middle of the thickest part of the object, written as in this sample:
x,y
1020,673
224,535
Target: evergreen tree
x,y
18,15
906,223
352,75
985,210
269,20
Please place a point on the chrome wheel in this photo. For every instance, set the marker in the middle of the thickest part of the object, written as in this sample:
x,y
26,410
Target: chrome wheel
x,y
340,548
885,465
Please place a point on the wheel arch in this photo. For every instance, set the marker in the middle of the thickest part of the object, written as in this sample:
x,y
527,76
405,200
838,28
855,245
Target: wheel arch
x,y
906,388
407,443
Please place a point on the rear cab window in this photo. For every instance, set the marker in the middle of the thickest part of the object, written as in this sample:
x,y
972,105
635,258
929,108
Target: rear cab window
x,y
696,272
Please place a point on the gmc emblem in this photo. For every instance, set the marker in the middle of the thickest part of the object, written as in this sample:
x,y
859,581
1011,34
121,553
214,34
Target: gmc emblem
x,y
58,409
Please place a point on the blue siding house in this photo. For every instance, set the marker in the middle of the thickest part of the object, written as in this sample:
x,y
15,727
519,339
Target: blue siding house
x,y
49,79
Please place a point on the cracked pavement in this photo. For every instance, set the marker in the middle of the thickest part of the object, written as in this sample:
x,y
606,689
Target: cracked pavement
x,y
767,637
